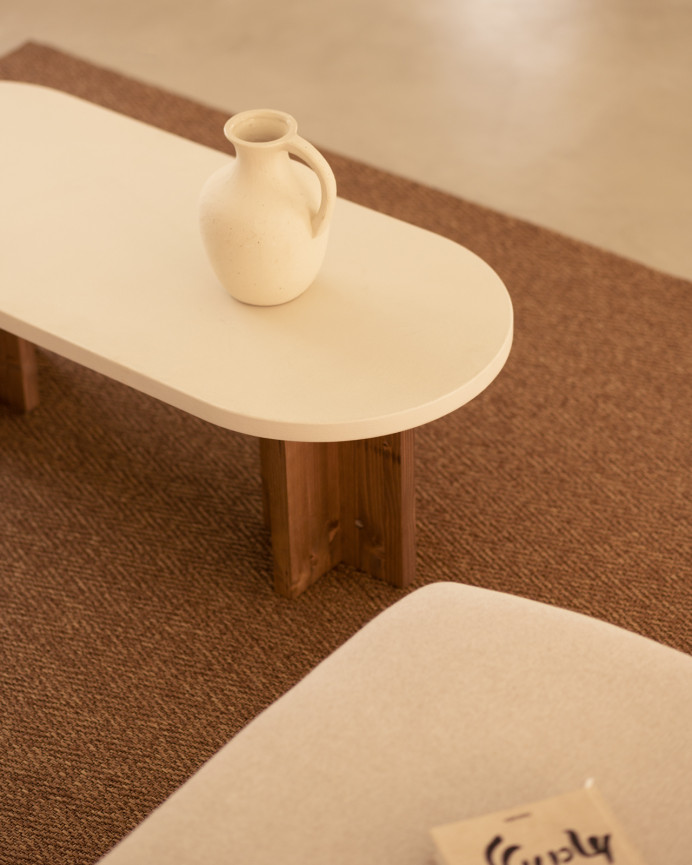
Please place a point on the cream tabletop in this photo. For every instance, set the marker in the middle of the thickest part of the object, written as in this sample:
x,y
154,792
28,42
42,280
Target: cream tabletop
x,y
102,262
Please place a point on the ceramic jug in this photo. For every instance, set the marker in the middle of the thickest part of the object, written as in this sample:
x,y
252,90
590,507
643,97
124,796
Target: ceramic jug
x,y
264,217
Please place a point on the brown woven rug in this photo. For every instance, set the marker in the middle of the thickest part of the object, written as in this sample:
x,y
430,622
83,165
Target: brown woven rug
x,y
139,630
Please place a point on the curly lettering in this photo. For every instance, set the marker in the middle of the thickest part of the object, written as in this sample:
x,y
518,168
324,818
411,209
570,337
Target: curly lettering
x,y
492,848
599,846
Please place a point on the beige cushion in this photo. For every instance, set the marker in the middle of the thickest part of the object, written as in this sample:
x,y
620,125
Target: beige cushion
x,y
454,702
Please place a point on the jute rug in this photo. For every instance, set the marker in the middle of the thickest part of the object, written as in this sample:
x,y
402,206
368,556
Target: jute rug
x,y
139,629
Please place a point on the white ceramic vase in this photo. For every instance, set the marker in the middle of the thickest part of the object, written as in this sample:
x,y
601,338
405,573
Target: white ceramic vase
x,y
264,217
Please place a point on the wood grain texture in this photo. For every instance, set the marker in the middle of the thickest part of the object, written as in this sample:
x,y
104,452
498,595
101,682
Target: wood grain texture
x,y
340,501
18,372
378,506
300,481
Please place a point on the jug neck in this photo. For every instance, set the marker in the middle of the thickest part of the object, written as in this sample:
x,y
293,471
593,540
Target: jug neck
x,y
260,133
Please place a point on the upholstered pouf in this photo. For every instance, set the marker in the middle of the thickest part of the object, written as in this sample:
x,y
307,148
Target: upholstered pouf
x,y
454,702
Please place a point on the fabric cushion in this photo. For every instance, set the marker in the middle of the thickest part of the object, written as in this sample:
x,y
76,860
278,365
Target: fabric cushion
x,y
454,702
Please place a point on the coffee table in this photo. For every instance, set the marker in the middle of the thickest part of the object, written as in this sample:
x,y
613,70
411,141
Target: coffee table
x,y
102,263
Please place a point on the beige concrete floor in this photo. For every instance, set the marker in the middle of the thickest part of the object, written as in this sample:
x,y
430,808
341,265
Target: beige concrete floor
x,y
574,114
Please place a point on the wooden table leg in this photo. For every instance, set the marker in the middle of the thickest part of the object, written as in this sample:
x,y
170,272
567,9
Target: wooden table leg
x,y
18,372
340,501
378,508
301,494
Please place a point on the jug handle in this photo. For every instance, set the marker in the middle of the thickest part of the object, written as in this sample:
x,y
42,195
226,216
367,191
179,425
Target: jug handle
x,y
313,158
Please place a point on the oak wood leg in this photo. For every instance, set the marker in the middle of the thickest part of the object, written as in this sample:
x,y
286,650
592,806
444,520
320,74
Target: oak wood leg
x,y
378,506
301,494
18,372
340,501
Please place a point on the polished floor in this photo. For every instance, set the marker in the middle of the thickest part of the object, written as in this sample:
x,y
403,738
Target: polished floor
x,y
573,114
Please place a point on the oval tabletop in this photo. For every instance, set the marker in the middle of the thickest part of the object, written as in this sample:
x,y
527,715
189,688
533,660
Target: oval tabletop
x,y
102,262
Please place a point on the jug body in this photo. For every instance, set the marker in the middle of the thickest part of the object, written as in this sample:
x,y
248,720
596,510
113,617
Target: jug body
x,y
264,218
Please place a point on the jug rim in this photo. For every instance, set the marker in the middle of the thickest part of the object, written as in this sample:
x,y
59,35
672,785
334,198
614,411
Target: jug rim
x,y
260,127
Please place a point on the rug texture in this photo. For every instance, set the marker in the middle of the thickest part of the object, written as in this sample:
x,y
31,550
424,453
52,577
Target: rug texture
x,y
139,630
